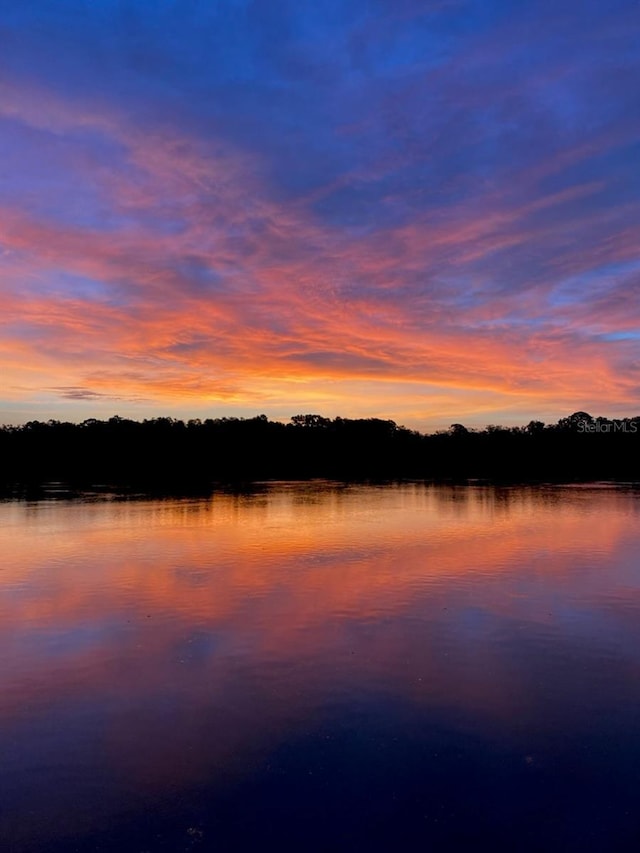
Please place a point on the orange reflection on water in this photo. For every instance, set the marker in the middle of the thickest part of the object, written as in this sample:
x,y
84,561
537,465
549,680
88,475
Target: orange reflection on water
x,y
321,551
203,632
279,565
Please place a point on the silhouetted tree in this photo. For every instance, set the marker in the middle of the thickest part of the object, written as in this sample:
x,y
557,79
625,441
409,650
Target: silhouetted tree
x,y
313,421
167,454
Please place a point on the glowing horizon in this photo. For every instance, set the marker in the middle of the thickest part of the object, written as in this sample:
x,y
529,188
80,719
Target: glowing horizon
x,y
360,210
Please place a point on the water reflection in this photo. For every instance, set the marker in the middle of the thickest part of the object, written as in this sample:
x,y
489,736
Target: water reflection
x,y
463,661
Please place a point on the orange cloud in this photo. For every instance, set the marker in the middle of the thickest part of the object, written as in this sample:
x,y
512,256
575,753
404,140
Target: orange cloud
x,y
208,290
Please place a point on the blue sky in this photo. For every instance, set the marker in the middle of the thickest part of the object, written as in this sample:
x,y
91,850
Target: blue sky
x,y
425,211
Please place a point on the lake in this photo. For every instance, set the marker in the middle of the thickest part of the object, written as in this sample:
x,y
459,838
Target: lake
x,y
321,667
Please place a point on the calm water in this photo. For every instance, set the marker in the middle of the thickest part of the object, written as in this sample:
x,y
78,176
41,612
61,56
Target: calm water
x,y
322,668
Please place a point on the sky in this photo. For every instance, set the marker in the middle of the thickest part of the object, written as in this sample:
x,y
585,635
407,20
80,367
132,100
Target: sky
x,y
425,211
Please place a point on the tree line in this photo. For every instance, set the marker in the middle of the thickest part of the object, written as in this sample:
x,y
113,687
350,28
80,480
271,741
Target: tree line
x,y
166,453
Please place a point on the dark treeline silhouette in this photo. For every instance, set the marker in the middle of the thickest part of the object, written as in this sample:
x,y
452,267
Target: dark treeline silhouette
x,y
165,453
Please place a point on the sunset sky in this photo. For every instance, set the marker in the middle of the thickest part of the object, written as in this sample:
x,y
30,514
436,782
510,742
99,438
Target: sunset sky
x,y
427,211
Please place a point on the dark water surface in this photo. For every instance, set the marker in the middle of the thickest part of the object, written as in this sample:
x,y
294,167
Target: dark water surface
x,y
322,668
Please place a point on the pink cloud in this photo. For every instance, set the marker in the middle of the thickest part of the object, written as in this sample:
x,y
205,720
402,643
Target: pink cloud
x,y
212,290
